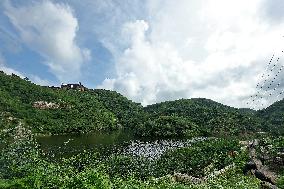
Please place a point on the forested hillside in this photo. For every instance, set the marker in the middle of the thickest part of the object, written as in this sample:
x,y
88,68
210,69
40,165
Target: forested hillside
x,y
53,111
27,109
273,117
210,117
47,110
127,112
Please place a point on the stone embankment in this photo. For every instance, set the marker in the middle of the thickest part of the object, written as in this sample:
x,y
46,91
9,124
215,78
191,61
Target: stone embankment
x,y
256,167
253,167
179,177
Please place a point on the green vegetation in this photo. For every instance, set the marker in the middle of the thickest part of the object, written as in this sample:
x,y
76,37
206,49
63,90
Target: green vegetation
x,y
271,150
24,166
208,117
167,126
77,111
91,110
273,118
198,160
27,109
128,113
203,158
98,109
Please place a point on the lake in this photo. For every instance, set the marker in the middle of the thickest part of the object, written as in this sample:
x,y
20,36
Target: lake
x,y
116,142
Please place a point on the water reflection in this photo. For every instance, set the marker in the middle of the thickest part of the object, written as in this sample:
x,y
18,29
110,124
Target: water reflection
x,y
106,144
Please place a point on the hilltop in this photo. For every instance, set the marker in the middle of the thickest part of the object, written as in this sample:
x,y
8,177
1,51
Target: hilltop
x,y
54,110
273,117
27,109
210,117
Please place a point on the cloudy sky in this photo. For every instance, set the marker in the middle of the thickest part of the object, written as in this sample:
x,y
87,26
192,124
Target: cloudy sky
x,y
151,50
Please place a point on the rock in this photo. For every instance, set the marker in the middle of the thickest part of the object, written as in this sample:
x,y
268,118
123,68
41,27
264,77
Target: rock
x,y
244,143
265,175
256,168
45,105
252,153
249,166
267,185
256,142
179,177
258,163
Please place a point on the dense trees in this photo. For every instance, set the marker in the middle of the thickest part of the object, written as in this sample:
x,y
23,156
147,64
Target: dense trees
x,y
77,112
167,126
23,165
101,109
128,113
210,118
273,118
203,157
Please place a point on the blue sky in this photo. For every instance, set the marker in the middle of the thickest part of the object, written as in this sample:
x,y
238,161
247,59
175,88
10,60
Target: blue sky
x,y
150,51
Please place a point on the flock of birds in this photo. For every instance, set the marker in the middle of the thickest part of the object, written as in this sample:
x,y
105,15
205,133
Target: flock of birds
x,y
270,85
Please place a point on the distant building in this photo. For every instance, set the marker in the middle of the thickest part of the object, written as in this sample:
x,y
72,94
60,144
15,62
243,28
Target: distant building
x,y
53,87
75,86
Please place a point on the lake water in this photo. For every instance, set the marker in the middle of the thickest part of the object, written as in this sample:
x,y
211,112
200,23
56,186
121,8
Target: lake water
x,y
117,142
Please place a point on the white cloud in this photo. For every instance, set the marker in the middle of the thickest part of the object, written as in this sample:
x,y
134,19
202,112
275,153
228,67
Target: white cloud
x,y
50,29
212,49
273,11
37,80
34,78
162,50
7,70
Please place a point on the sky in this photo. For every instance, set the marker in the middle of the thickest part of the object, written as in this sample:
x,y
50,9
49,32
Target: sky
x,y
152,50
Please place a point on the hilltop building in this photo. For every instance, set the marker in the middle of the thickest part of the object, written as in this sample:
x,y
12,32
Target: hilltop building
x,y
75,86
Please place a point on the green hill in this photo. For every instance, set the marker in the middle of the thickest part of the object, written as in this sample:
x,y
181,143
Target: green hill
x,y
46,110
54,111
127,112
273,117
210,117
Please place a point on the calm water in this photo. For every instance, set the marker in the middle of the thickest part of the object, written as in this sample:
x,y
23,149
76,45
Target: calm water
x,y
71,144
117,142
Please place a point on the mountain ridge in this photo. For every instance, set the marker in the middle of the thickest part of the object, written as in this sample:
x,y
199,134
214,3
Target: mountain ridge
x,y
100,109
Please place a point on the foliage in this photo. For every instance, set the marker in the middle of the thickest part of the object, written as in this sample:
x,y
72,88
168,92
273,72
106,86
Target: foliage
x,y
126,166
19,151
127,112
280,181
197,160
167,126
22,165
202,157
212,118
270,151
273,118
28,168
86,111
77,112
